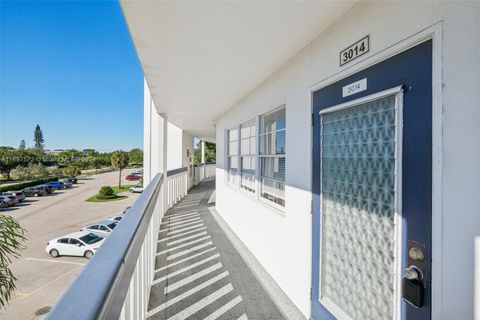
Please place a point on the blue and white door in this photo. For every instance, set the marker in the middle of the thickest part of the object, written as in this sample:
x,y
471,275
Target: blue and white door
x,y
372,173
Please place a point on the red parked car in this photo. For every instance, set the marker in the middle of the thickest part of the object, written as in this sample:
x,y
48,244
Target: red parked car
x,y
132,177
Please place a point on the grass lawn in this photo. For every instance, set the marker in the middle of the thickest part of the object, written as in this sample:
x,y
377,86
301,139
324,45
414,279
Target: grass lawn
x,y
116,190
96,199
122,189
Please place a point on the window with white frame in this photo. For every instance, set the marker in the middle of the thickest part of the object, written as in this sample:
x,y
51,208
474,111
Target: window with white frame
x,y
232,161
248,155
272,133
243,156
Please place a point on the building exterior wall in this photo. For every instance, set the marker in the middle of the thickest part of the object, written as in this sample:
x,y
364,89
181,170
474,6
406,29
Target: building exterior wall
x,y
174,152
281,239
153,146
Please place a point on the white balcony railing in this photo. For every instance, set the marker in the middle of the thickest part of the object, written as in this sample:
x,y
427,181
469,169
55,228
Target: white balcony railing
x,y
177,186
204,171
116,282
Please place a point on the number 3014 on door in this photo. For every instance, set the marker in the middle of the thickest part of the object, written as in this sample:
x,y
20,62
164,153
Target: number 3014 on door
x,y
355,50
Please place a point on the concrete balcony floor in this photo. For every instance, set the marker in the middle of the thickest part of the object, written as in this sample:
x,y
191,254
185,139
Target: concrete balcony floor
x,y
199,273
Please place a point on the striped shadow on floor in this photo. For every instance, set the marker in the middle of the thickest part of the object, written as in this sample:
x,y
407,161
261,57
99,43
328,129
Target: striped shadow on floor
x,y
191,280
198,273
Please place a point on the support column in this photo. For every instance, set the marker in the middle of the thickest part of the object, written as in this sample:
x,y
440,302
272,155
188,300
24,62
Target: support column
x,y
203,160
163,142
164,155
152,138
147,135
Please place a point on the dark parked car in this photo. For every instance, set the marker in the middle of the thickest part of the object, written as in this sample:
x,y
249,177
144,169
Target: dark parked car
x,y
133,177
34,191
19,194
48,188
72,180
67,183
56,184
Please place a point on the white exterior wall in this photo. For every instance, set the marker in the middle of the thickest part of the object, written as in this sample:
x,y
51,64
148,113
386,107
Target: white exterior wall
x,y
153,141
174,153
282,241
152,127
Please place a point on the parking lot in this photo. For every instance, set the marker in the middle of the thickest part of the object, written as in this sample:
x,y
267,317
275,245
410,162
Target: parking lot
x,y
42,279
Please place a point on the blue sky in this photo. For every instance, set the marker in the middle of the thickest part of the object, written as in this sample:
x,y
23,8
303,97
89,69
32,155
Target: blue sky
x,y
72,68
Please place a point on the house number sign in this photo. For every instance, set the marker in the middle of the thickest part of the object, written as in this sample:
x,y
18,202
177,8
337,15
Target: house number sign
x,y
356,87
355,50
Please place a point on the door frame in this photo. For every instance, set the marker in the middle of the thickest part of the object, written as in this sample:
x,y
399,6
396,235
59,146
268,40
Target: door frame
x,y
434,33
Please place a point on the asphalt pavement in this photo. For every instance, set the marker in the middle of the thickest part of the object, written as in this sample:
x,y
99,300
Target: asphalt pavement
x,y
42,279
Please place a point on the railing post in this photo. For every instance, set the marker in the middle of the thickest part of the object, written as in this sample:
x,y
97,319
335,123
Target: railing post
x,y
476,302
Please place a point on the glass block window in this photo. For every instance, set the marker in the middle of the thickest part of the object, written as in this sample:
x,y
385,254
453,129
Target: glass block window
x,y
248,155
358,209
272,156
232,155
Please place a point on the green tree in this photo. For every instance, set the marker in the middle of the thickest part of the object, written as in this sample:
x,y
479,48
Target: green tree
x,y
71,171
97,163
21,173
22,145
69,156
120,161
135,155
9,160
12,237
210,152
197,156
38,170
38,137
84,162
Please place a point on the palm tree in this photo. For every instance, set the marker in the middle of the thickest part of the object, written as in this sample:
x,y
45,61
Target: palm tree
x,y
120,161
11,241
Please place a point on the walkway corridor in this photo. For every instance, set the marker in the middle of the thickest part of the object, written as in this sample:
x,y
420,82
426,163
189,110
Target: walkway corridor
x,y
199,274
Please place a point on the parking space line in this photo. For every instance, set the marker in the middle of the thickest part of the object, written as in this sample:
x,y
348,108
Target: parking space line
x,y
55,261
48,284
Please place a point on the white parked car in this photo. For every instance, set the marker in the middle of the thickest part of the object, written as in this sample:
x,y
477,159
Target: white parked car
x,y
102,228
117,218
80,244
136,189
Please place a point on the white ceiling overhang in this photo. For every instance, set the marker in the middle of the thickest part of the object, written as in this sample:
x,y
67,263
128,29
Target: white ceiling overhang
x,y
200,58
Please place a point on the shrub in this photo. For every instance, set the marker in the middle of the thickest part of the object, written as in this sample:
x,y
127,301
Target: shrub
x,y
20,186
106,191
